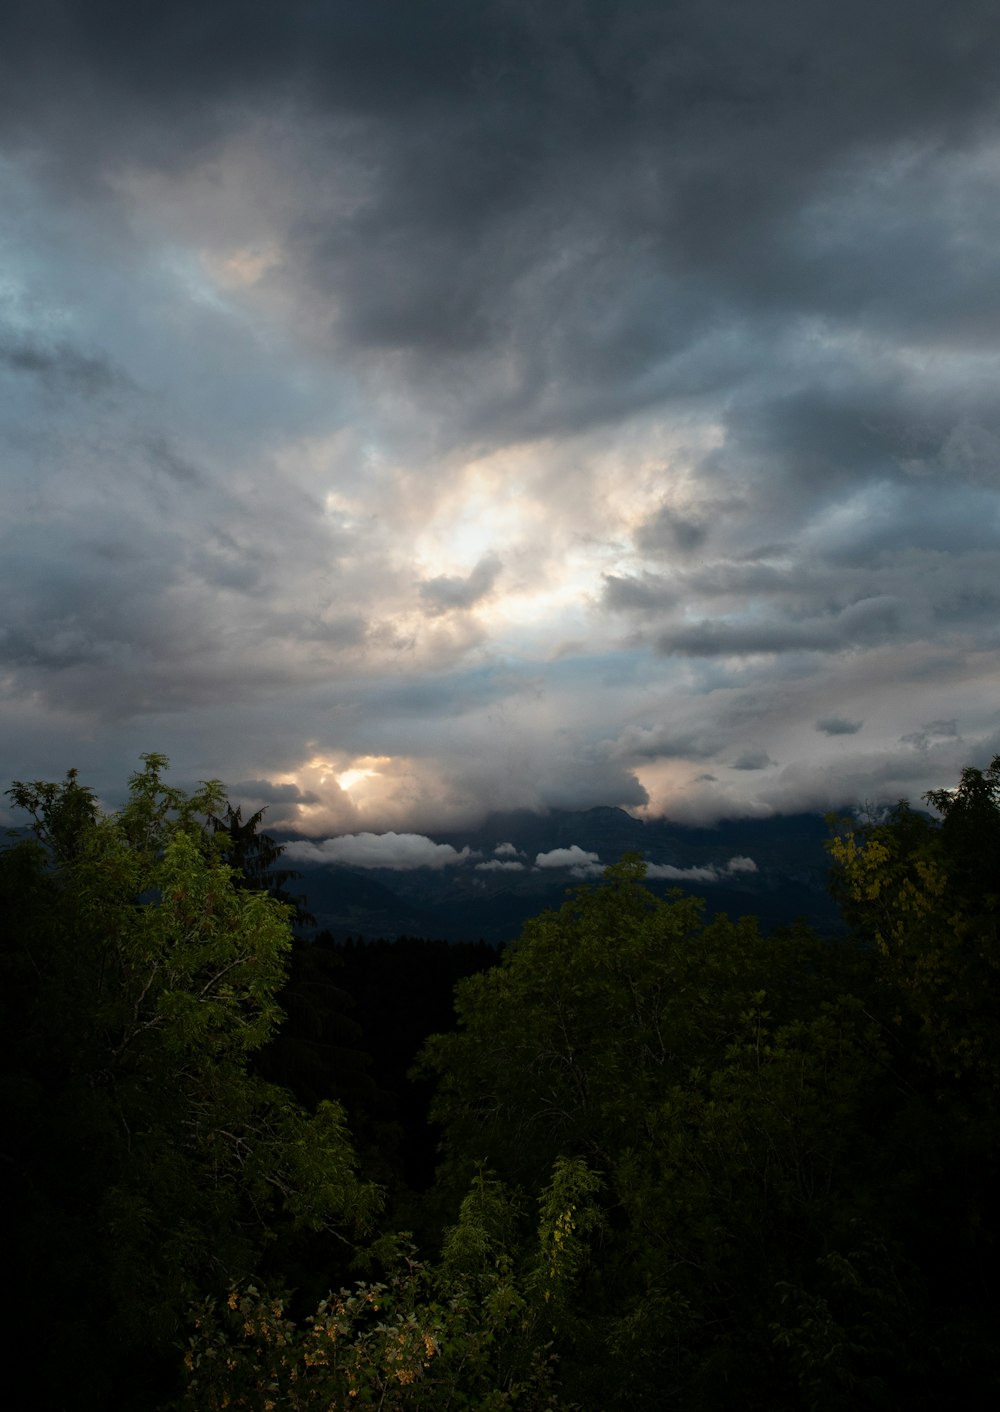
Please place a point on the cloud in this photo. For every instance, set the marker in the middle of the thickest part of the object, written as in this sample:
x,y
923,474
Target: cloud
x,y
448,592
752,758
500,865
265,792
933,731
665,740
624,592
506,850
358,362
396,851
60,366
708,874
865,622
580,863
668,533
838,725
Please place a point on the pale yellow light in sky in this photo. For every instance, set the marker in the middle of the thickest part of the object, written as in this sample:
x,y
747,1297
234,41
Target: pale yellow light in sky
x,y
349,778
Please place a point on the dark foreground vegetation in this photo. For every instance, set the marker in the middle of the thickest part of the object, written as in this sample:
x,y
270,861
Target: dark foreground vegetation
x,y
674,1164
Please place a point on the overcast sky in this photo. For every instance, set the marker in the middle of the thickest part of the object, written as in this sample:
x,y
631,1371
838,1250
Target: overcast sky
x,y
418,408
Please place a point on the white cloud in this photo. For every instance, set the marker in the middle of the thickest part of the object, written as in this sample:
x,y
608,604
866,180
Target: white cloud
x,y
580,863
506,850
398,851
708,874
498,865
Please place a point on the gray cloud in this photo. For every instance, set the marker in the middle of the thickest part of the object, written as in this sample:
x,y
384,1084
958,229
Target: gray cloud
x,y
447,592
165,458
688,316
751,758
649,591
666,742
264,792
931,733
712,873
59,366
869,620
838,725
668,532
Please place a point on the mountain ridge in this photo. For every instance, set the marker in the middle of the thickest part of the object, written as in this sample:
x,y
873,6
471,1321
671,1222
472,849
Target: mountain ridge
x,y
465,902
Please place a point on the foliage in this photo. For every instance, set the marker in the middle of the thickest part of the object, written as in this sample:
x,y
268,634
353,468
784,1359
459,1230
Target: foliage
x,y
701,1093
925,896
416,1339
929,897
701,1165
150,1164
253,855
573,1042
836,1334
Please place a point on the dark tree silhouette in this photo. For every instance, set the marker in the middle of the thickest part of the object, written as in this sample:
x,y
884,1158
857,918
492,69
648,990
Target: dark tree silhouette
x,y
253,854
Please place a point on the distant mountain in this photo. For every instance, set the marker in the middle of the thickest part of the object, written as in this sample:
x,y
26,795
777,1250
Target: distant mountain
x,y
466,903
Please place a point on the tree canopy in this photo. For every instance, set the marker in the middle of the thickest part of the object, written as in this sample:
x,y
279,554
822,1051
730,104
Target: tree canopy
x,y
928,895
685,1163
149,1163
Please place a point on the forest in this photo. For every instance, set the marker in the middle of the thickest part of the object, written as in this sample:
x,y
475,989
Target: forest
x,y
639,1158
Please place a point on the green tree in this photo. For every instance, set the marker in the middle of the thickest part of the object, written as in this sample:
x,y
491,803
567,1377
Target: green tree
x,y
473,1331
316,1052
149,1164
928,895
711,1092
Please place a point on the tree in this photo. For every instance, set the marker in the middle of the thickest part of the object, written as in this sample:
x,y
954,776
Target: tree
x,y
253,854
149,1164
399,1343
924,896
928,895
316,1051
720,1091
473,1331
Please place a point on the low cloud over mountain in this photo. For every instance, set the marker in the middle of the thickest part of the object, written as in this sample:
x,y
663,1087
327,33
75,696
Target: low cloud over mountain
x,y
396,851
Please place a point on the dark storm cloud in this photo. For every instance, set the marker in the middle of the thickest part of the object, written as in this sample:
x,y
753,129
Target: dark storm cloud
x,y
624,591
838,725
866,622
751,759
281,274
59,366
668,532
627,156
666,742
934,732
448,591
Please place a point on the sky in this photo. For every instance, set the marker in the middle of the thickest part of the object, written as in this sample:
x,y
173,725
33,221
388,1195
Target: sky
x,y
420,408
